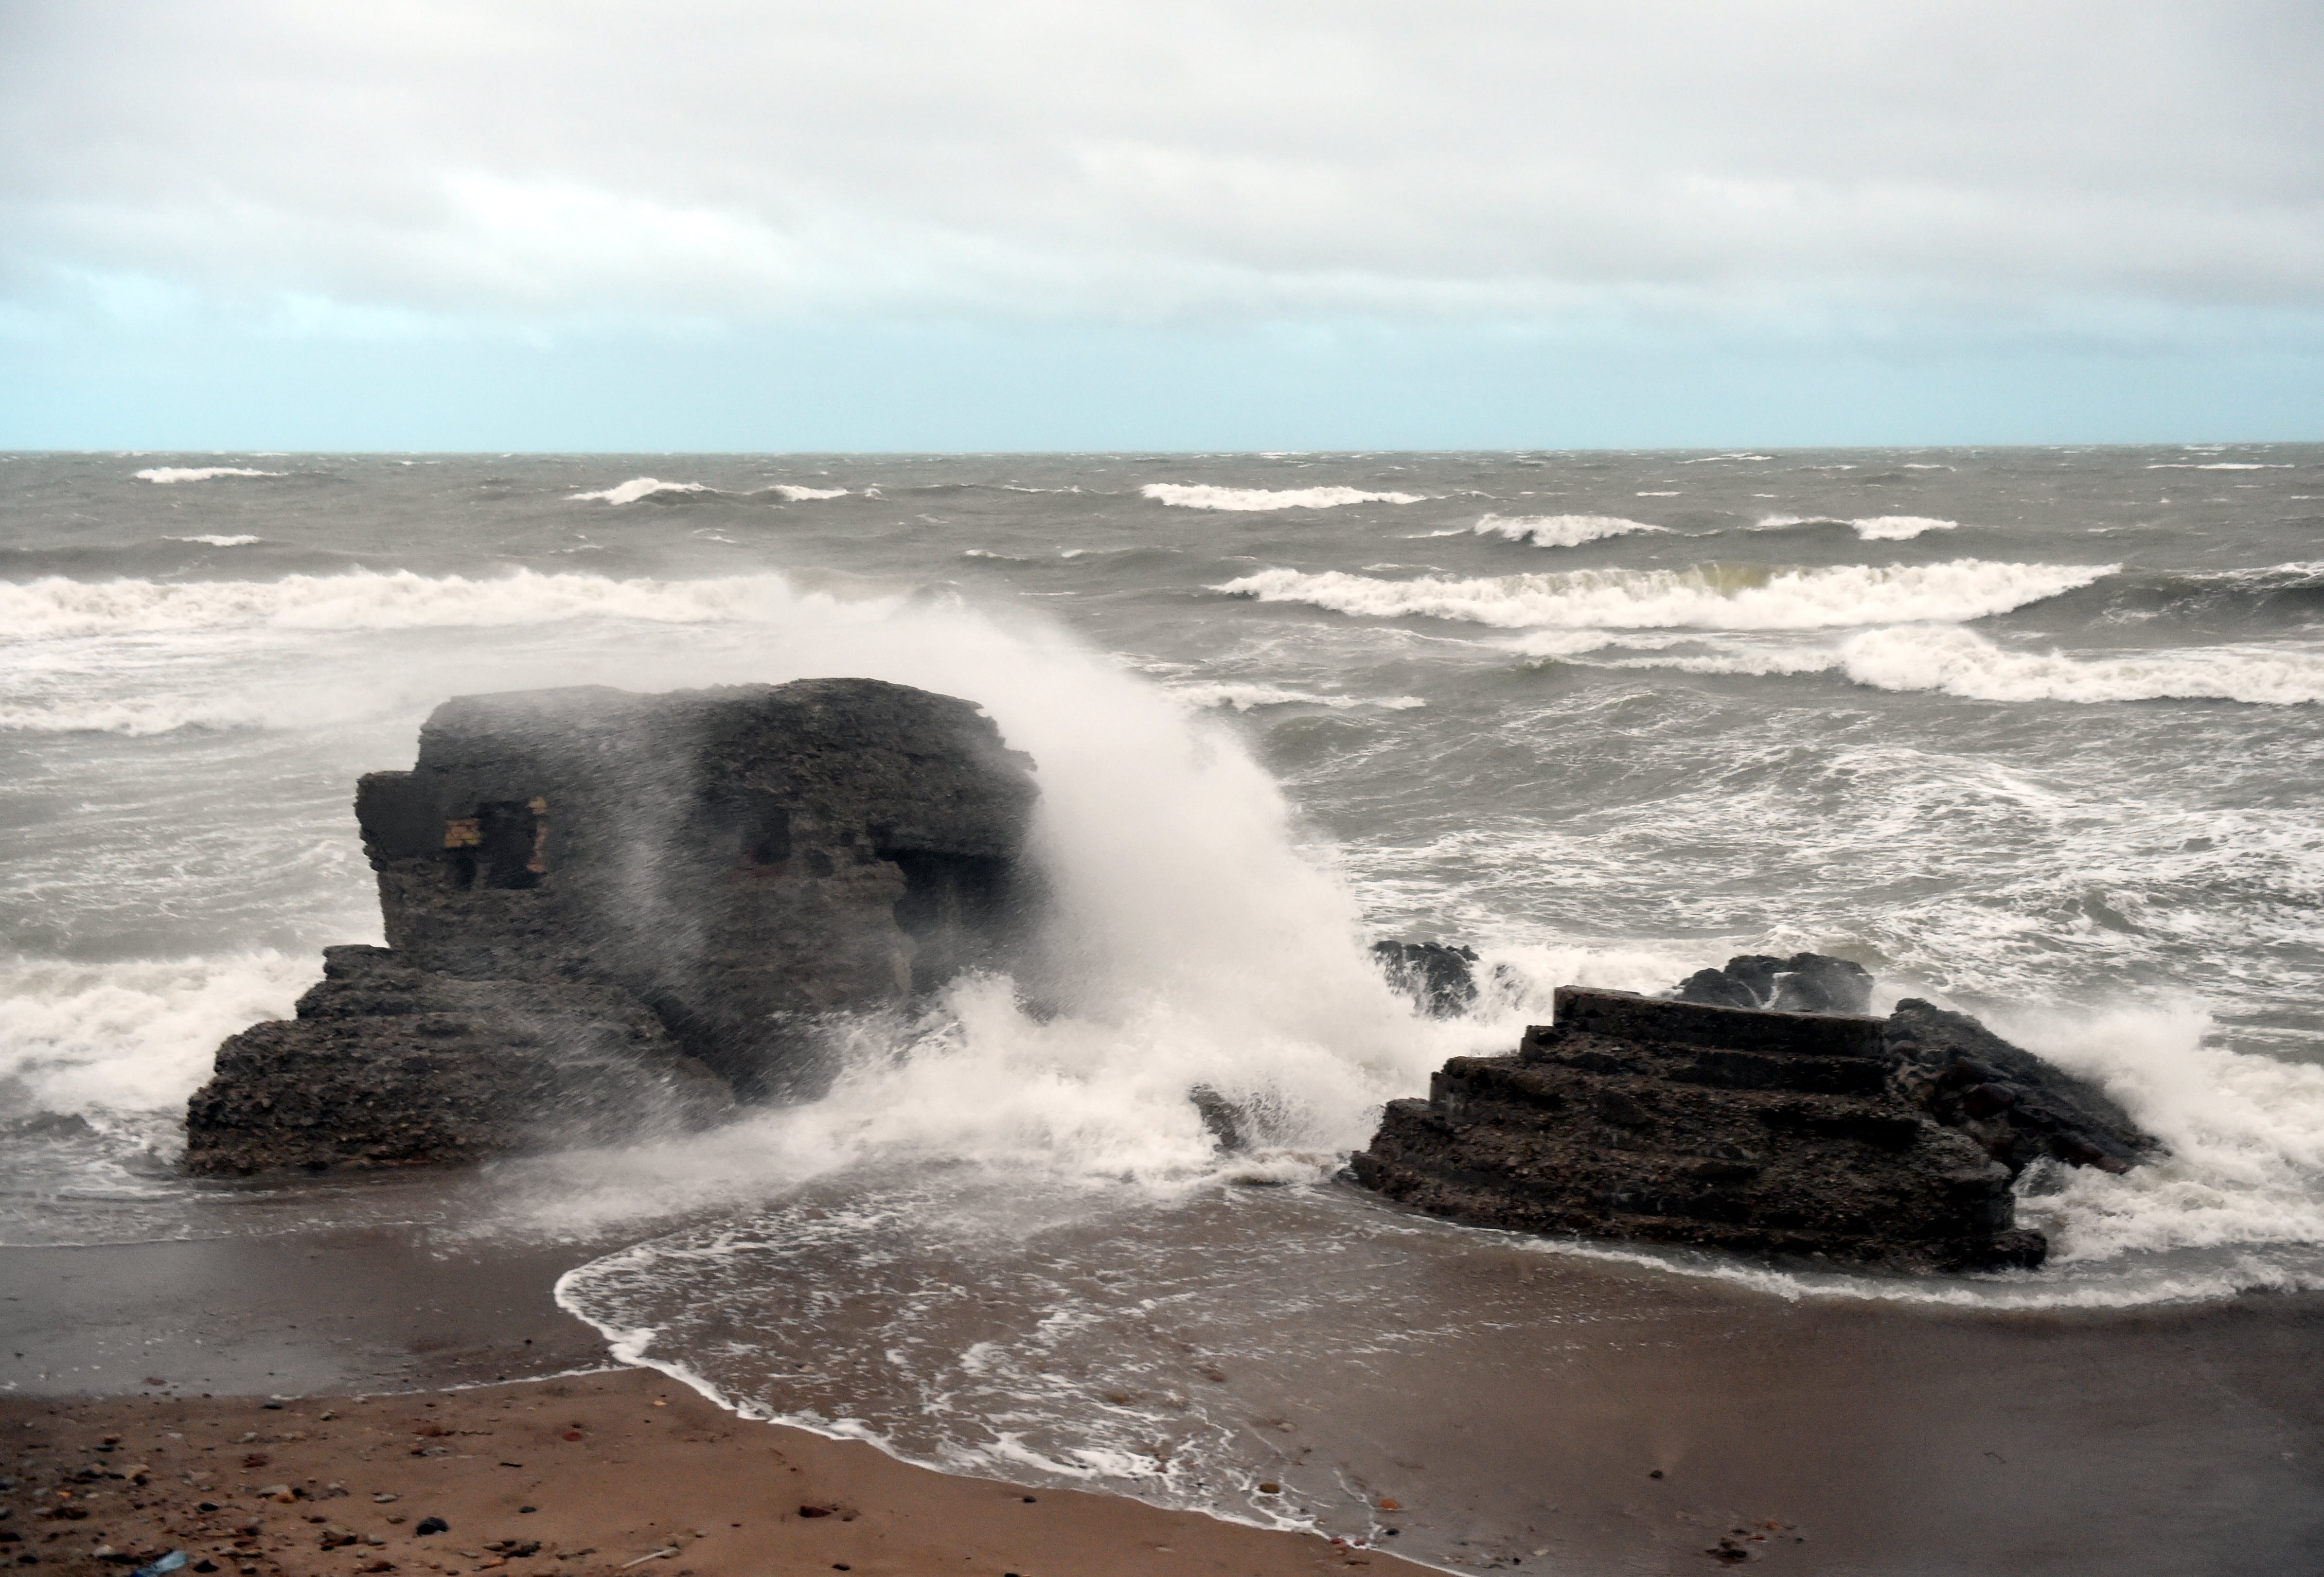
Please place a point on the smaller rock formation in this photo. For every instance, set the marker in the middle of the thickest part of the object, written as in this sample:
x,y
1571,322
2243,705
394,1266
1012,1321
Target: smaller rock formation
x,y
387,1066
1805,982
2019,1107
1442,980
1678,1123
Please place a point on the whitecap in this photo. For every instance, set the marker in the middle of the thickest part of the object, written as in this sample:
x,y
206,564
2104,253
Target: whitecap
x,y
1955,661
215,542
1870,528
1243,697
636,488
1705,597
1555,530
55,607
1191,495
793,494
168,473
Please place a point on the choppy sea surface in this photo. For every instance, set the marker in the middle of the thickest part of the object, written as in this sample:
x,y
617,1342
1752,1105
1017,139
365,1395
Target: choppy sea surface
x,y
2035,732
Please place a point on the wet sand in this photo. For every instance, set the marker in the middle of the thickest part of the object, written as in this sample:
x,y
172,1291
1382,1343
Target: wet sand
x,y
1849,1437
603,1474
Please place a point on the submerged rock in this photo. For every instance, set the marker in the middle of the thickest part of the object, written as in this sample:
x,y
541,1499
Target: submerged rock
x,y
1442,980
1805,982
591,895
1680,1122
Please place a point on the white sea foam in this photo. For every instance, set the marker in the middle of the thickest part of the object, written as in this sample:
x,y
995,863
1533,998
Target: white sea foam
x,y
1706,596
1203,495
808,495
2223,465
1556,530
216,541
1243,697
1961,662
636,488
366,600
98,1040
1871,528
167,473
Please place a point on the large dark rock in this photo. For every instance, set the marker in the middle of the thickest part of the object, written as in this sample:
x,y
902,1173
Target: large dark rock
x,y
1673,1123
2017,1106
391,1066
1805,982
742,864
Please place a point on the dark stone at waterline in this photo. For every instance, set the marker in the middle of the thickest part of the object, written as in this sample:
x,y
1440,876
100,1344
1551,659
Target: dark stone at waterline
x,y
1442,980
387,1066
2020,1108
1805,982
1681,1123
591,895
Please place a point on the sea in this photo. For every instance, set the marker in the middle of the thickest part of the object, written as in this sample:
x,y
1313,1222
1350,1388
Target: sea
x,y
2031,733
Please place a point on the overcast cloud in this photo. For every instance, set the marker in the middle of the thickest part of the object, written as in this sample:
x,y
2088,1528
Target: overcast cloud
x,y
235,186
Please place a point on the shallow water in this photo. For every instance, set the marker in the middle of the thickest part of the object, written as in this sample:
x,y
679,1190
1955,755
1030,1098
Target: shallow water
x,y
2030,732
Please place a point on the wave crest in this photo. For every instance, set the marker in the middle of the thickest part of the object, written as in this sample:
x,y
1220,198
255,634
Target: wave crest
x,y
1955,661
1203,495
55,608
1871,528
1559,531
1705,597
168,473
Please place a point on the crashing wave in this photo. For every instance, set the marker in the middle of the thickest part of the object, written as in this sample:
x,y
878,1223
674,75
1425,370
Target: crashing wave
x,y
1706,596
215,542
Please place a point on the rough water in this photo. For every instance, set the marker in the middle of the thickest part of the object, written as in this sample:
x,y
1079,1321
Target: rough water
x,y
2031,733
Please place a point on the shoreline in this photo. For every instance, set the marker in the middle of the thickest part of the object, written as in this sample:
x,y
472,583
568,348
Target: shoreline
x,y
1650,1417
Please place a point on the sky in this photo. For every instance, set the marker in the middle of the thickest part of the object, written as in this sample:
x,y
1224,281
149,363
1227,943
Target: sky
x,y
907,224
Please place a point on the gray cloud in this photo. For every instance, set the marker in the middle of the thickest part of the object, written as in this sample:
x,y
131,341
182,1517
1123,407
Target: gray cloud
x,y
1831,167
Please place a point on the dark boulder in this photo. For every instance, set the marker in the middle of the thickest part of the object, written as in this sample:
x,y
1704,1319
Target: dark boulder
x,y
1805,982
386,1066
1441,980
1634,1117
2020,1108
740,865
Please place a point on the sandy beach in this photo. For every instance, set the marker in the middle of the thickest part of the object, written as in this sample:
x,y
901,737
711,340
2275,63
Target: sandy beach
x,y
1848,1438
604,1472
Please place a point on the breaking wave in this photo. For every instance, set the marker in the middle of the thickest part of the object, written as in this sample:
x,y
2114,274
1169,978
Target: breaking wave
x,y
1189,495
1243,697
1705,597
636,488
1559,531
642,487
215,541
1871,528
167,473
1961,662
55,608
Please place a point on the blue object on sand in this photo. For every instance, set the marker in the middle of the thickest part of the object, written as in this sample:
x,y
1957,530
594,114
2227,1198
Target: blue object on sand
x,y
169,1562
